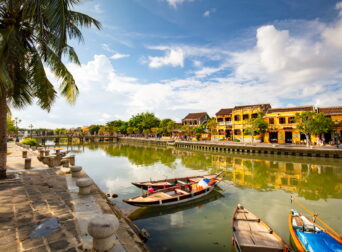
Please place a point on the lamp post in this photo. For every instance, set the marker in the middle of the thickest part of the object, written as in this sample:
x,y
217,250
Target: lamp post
x,y
17,121
31,127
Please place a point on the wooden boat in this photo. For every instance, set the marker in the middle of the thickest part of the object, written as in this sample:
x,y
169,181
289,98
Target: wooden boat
x,y
252,234
174,195
165,183
150,212
307,235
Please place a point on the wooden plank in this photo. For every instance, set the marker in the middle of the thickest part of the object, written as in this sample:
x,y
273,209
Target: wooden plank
x,y
257,227
266,240
241,226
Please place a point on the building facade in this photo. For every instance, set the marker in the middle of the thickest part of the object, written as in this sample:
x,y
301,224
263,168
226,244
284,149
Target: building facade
x,y
195,119
282,127
241,116
335,113
224,128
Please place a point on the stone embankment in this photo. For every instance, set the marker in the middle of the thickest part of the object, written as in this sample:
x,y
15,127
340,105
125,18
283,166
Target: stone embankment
x,y
49,209
260,148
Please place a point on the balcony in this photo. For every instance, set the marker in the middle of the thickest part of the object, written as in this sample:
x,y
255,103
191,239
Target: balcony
x,y
229,123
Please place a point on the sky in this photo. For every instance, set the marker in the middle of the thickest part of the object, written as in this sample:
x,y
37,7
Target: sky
x,y
173,57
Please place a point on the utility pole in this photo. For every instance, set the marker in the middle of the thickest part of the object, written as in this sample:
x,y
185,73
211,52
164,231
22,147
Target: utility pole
x,y
31,127
17,121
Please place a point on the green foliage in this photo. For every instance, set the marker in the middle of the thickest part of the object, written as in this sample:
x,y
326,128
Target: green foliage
x,y
10,126
310,122
123,128
60,131
130,130
116,123
166,126
198,136
146,131
30,141
94,129
34,36
144,121
256,126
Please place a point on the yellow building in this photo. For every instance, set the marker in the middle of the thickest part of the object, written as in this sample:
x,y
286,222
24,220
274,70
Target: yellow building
x,y
224,124
335,113
241,116
282,127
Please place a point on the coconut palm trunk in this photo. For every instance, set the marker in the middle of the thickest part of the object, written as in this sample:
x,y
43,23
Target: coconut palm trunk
x,y
3,136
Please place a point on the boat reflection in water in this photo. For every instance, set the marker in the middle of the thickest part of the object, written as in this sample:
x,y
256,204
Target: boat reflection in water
x,y
150,212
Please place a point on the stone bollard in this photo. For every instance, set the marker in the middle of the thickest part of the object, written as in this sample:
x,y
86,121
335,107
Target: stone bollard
x,y
72,160
47,153
41,153
75,171
27,163
24,155
65,162
102,229
84,185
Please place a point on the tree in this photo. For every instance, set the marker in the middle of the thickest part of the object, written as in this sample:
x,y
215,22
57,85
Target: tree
x,y
94,129
211,125
34,35
115,123
144,121
130,130
11,128
312,123
256,126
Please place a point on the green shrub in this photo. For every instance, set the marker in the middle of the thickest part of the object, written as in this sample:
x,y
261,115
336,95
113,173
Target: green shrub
x,y
198,136
236,140
30,141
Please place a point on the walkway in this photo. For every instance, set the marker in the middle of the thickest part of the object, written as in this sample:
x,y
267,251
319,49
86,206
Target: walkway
x,y
32,197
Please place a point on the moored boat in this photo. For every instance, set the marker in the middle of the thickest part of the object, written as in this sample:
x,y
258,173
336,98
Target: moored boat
x,y
175,195
250,233
306,235
165,183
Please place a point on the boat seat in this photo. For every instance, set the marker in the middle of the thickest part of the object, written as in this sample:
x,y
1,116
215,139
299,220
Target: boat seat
x,y
181,192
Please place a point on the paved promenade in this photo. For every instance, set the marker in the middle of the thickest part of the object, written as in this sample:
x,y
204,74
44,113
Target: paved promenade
x,y
29,198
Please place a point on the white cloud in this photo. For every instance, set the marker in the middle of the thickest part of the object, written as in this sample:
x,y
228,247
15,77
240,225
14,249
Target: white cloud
x,y
174,3
116,56
107,48
207,13
281,68
173,57
98,9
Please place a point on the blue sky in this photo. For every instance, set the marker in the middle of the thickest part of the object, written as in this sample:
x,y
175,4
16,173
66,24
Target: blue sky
x,y
172,57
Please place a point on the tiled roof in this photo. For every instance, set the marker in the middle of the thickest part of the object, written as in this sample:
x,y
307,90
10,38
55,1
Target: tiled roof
x,y
264,106
292,109
224,111
196,115
331,110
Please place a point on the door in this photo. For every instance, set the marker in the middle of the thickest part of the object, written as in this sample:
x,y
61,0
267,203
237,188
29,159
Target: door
x,y
274,137
288,137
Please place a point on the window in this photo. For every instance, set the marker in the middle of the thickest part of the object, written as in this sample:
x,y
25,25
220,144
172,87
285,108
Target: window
x,y
245,117
291,120
271,120
219,119
237,118
282,120
254,115
228,119
237,132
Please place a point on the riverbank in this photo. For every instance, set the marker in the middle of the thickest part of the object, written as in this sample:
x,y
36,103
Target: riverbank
x,y
30,198
260,148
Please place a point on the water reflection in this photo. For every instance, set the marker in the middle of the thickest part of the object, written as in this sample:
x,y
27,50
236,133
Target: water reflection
x,y
262,183
311,178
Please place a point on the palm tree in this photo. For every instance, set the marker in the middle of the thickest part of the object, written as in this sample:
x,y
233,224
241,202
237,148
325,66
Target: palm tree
x,y
33,35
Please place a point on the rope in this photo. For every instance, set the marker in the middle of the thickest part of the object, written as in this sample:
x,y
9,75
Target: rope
x,y
316,217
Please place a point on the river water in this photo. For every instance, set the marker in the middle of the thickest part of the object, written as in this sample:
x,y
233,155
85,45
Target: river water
x,y
262,183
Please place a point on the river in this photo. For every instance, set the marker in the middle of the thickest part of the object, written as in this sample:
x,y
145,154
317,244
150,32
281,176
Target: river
x,y
262,183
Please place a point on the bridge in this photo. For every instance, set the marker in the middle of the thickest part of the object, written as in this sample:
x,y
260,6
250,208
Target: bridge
x,y
81,138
